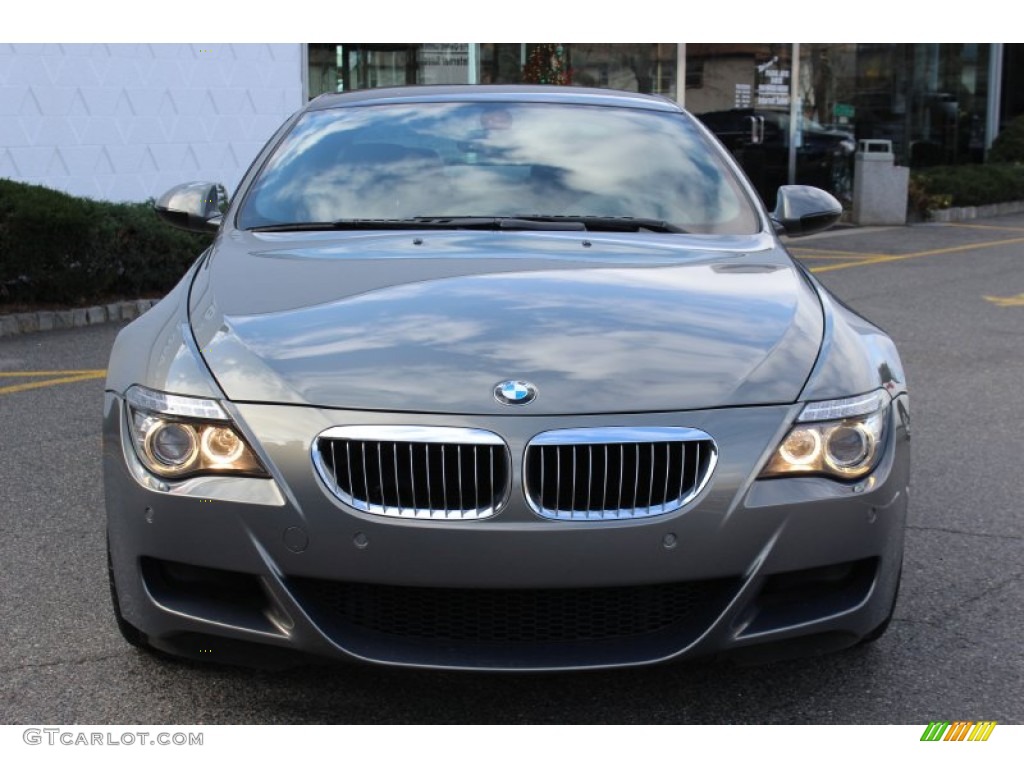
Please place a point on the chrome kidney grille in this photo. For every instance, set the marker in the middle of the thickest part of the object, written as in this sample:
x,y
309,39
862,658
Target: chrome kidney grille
x,y
444,473
616,473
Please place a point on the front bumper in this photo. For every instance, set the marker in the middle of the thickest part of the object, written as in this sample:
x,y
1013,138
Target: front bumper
x,y
282,562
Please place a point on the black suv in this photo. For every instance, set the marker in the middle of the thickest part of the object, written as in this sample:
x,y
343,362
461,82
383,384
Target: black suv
x,y
759,139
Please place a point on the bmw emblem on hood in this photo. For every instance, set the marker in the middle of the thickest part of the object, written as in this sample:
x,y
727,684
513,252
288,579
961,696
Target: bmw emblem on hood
x,y
515,392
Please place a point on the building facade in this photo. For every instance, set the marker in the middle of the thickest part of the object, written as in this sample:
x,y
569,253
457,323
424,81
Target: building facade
x,y
125,122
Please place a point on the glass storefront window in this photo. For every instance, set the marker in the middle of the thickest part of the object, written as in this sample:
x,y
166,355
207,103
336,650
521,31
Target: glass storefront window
x,y
729,76
641,67
502,62
742,91
336,67
929,99
324,68
1012,92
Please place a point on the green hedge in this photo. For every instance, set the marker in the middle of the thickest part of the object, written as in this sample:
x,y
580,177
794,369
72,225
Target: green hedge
x,y
959,185
1009,144
57,248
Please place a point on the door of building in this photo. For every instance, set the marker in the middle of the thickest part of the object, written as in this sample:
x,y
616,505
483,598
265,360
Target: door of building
x,y
378,65
741,91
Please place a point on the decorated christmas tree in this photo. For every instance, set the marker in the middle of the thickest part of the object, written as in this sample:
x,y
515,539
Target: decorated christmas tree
x,y
547,65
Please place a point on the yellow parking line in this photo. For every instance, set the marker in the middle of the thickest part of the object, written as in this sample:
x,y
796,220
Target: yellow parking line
x,y
847,264
52,382
986,226
812,249
837,257
902,256
1006,301
96,371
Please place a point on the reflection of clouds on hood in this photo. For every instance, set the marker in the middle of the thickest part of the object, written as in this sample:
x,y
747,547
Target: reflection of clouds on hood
x,y
694,302
700,280
655,332
546,160
323,336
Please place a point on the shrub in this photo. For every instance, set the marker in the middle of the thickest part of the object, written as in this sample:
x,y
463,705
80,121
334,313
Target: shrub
x,y
1008,146
920,200
960,185
63,249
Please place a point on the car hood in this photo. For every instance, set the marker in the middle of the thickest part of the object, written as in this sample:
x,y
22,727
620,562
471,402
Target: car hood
x,y
431,322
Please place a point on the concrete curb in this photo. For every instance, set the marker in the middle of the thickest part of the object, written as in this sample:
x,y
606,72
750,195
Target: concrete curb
x,y
968,212
54,320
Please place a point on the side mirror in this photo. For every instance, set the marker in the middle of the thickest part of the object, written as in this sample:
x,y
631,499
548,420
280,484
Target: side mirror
x,y
197,206
805,210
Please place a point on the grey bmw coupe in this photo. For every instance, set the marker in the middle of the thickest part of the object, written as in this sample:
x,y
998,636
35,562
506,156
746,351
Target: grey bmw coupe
x,y
501,378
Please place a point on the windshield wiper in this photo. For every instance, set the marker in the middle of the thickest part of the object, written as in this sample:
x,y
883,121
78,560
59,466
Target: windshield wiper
x,y
340,224
429,222
529,223
503,222
611,223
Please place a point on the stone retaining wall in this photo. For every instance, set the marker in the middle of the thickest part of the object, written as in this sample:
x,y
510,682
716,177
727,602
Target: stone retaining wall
x,y
30,322
968,212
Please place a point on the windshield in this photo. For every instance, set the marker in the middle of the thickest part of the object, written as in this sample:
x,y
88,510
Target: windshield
x,y
405,161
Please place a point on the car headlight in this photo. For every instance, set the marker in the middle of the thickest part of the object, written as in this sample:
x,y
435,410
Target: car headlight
x,y
177,436
837,438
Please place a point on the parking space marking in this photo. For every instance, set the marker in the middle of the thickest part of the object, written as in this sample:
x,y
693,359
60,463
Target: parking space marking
x,y
62,377
986,226
835,256
811,250
84,372
884,259
1006,301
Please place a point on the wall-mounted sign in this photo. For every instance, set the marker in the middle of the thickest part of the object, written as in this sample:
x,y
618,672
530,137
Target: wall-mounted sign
x,y
744,92
772,84
442,63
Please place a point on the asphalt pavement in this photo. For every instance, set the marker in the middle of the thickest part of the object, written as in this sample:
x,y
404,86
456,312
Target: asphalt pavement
x,y
952,296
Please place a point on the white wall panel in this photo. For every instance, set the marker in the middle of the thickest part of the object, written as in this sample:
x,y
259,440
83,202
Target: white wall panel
x,y
127,121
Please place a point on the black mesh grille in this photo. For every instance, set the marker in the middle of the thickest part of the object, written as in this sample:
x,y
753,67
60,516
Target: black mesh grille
x,y
615,479
511,615
433,479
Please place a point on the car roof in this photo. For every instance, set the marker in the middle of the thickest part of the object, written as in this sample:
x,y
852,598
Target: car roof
x,y
494,93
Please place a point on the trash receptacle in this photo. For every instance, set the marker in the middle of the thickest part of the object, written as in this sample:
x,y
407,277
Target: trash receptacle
x,y
879,186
